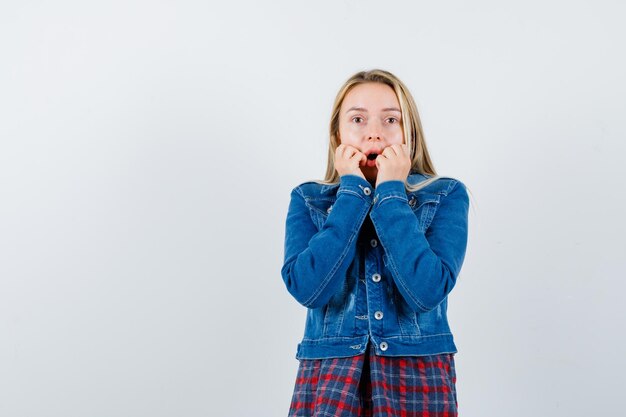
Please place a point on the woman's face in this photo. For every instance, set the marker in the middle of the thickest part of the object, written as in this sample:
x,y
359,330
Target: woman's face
x,y
370,120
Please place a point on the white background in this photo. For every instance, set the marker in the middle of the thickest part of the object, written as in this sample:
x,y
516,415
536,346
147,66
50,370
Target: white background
x,y
147,153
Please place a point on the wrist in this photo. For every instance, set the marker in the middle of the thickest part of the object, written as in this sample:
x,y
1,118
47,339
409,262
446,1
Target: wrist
x,y
394,189
355,184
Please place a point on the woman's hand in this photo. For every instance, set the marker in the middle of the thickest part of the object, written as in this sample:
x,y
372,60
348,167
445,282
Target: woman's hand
x,y
348,160
393,164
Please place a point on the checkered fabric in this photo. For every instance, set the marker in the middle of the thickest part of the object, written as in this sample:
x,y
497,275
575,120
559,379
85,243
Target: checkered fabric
x,y
376,386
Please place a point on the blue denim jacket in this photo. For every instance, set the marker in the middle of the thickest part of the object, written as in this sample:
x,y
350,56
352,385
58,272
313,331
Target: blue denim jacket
x,y
375,264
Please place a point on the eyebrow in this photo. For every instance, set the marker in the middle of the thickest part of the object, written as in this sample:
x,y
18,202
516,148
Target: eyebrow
x,y
365,110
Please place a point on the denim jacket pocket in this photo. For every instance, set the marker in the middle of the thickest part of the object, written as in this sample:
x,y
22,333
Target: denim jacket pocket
x,y
424,205
320,209
406,317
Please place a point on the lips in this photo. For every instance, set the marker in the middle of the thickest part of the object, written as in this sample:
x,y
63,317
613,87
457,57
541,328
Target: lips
x,y
370,163
371,156
371,153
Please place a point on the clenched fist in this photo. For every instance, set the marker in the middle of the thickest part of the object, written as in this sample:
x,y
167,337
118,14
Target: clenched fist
x,y
348,160
393,164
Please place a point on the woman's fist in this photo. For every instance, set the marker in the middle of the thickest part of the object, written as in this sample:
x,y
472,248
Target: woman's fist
x,y
393,164
348,160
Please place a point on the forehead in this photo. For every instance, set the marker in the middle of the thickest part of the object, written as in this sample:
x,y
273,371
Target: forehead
x,y
372,96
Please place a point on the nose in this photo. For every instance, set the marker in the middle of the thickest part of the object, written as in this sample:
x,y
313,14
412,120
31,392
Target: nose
x,y
374,132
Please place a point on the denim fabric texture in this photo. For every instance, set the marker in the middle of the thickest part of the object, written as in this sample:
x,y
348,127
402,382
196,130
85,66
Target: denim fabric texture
x,y
375,264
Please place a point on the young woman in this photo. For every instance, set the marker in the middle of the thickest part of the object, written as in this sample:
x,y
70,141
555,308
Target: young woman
x,y
373,251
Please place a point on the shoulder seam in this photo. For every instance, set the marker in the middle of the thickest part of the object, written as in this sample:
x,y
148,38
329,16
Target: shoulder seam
x,y
298,190
453,183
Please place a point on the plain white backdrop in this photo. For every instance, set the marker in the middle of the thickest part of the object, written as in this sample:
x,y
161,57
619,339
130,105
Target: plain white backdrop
x,y
147,152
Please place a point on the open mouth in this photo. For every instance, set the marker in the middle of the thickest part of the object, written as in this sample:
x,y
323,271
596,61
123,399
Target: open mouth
x,y
372,156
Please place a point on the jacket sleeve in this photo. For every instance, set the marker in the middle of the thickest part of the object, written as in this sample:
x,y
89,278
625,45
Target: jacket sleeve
x,y
316,262
424,265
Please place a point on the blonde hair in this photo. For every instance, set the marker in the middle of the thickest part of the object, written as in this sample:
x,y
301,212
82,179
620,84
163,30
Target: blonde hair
x,y
411,127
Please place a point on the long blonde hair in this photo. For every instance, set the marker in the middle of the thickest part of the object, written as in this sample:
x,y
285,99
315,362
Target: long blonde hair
x,y
411,127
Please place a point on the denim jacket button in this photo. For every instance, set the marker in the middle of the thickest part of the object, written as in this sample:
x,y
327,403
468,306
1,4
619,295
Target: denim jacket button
x,y
374,243
412,201
329,209
367,191
383,346
375,199
378,315
376,277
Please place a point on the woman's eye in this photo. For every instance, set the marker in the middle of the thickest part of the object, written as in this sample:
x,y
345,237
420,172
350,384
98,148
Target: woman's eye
x,y
357,117
393,118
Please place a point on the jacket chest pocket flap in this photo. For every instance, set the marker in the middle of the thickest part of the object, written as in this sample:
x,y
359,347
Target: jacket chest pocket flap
x,y
320,208
424,205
